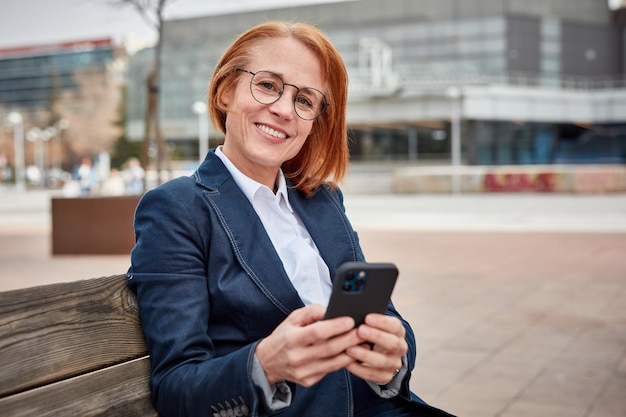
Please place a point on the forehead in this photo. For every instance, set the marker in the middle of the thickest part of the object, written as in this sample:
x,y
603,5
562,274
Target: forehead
x,y
291,59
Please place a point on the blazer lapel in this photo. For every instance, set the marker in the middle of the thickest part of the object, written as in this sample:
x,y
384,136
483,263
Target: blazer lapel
x,y
251,245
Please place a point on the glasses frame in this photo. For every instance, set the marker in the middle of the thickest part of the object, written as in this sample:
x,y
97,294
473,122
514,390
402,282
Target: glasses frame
x,y
323,107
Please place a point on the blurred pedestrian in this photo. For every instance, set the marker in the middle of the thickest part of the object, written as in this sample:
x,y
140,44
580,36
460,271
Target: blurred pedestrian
x,y
114,185
86,176
133,175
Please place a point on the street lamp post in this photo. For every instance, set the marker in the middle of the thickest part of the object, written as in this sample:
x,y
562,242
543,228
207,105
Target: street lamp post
x,y
57,130
39,136
61,125
412,143
456,96
17,122
200,108
50,132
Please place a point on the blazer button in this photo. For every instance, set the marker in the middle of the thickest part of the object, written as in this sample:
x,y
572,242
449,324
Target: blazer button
x,y
243,411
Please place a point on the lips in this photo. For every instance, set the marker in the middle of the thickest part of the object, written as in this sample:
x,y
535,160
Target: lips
x,y
272,132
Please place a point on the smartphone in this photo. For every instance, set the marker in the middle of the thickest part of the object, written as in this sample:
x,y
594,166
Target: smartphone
x,y
361,288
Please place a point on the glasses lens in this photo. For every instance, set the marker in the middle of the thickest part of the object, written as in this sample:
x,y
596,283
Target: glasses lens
x,y
309,103
266,87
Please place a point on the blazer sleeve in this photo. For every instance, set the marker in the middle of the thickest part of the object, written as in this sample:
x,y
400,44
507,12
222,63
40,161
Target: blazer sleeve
x,y
405,391
168,274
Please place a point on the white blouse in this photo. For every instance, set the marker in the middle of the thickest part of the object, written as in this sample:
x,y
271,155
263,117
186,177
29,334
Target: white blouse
x,y
300,257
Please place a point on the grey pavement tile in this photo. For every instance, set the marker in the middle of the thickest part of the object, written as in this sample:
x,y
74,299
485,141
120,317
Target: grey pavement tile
x,y
479,397
444,367
612,401
598,347
567,387
622,367
492,335
532,409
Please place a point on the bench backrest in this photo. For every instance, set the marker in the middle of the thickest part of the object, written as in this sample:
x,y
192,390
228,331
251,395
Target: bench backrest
x,y
73,349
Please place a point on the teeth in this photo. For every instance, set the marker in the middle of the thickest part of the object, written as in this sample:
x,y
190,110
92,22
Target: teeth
x,y
272,132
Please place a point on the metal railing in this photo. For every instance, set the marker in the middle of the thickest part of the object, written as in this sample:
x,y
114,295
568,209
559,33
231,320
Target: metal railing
x,y
406,79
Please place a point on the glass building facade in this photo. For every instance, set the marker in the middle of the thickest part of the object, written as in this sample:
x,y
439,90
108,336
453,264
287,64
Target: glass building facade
x,y
403,57
30,77
70,91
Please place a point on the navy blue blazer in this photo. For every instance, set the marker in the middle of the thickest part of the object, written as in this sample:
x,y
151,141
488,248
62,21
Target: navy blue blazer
x,y
210,285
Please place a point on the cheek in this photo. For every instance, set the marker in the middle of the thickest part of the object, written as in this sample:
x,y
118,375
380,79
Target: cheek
x,y
308,133
303,140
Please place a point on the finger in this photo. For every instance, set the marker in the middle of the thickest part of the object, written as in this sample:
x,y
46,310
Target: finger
x,y
389,324
368,373
382,341
315,370
324,330
335,345
375,360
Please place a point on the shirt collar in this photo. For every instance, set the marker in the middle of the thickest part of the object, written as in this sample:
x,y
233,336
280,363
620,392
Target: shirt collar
x,y
251,187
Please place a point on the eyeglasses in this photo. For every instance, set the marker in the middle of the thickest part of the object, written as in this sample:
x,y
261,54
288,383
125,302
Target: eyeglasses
x,y
267,87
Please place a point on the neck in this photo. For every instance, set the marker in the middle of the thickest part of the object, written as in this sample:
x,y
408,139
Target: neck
x,y
263,175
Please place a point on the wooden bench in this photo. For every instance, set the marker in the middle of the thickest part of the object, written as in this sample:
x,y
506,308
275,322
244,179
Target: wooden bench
x,y
73,349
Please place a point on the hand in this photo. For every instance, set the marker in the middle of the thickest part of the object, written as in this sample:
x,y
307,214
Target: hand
x,y
304,347
379,363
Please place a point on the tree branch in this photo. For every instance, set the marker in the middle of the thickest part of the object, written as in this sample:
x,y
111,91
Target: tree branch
x,y
150,10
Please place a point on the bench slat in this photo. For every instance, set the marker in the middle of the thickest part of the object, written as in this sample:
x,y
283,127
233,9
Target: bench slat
x,y
118,391
57,331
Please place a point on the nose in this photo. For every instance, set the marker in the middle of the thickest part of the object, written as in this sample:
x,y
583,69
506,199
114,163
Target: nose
x,y
284,107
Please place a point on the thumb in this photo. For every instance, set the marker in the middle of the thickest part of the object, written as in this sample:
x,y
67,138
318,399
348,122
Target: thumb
x,y
307,315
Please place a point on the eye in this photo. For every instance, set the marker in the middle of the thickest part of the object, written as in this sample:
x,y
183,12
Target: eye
x,y
268,85
304,102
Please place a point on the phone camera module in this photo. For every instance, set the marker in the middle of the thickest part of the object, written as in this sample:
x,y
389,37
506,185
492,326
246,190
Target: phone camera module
x,y
354,281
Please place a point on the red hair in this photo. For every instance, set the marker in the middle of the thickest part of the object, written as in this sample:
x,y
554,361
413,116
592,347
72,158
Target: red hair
x,y
324,155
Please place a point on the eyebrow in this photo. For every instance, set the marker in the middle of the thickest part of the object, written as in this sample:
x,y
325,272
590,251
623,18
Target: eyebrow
x,y
282,76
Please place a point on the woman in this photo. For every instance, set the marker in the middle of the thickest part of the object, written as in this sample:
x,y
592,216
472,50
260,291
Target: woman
x,y
233,265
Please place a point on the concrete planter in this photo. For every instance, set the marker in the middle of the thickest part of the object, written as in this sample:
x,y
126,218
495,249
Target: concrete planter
x,y
575,179
93,225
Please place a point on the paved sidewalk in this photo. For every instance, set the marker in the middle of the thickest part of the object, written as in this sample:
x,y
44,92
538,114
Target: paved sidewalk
x,y
514,324
517,302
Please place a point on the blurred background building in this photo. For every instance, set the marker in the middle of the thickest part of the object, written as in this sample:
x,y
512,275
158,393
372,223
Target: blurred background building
x,y
432,82
519,82
53,87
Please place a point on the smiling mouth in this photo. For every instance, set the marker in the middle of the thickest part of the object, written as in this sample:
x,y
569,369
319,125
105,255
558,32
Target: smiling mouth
x,y
271,132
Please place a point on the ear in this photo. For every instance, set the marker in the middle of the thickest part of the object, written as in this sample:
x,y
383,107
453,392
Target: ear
x,y
225,96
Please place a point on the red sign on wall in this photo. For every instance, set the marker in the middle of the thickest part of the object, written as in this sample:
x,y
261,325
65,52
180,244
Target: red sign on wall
x,y
520,181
